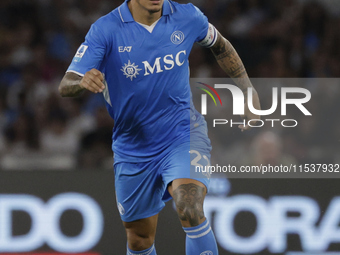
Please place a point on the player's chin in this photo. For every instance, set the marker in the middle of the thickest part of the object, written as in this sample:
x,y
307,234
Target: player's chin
x,y
155,9
155,6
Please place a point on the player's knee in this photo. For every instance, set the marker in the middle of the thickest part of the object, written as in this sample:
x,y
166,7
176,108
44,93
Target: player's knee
x,y
139,241
189,204
190,212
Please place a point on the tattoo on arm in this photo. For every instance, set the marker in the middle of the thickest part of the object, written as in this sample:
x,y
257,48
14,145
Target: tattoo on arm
x,y
69,86
230,62
189,203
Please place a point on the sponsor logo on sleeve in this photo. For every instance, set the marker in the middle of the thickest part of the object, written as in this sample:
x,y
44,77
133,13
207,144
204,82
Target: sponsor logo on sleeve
x,y
80,53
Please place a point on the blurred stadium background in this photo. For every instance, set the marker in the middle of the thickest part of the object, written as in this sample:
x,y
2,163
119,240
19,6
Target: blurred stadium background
x,y
39,130
283,38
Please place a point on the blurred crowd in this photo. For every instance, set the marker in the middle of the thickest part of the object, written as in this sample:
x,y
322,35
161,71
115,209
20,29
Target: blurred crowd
x,y
281,39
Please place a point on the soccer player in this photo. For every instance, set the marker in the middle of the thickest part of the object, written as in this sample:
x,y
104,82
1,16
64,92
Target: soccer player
x,y
137,56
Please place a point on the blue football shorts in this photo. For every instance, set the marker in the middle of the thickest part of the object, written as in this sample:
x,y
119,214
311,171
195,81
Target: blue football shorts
x,y
141,188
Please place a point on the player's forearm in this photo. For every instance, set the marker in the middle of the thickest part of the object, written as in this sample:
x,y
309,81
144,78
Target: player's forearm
x,y
70,85
231,63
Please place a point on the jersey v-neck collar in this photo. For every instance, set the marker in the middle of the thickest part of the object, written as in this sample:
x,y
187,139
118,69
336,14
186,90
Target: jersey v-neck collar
x,y
126,16
150,28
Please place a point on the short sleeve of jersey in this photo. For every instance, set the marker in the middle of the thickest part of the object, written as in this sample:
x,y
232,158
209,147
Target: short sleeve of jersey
x,y
201,23
90,54
207,33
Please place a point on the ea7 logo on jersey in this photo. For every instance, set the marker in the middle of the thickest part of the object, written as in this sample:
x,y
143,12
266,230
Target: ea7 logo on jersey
x,y
125,49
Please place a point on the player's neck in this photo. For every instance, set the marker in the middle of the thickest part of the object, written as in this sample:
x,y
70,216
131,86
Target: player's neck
x,y
142,15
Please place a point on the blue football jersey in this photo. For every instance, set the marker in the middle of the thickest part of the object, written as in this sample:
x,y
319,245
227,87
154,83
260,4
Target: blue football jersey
x,y
146,73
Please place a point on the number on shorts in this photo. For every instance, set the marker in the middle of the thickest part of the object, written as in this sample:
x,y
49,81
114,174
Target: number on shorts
x,y
195,163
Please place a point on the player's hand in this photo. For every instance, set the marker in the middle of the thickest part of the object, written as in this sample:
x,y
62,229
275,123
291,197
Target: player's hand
x,y
93,81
